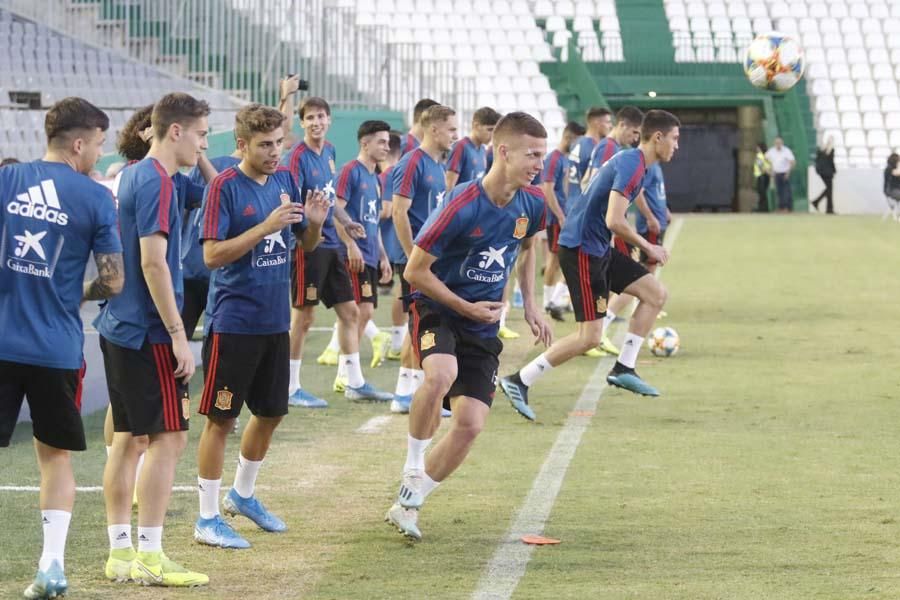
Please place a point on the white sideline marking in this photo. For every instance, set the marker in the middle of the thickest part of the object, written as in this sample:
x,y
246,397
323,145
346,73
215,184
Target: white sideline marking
x,y
507,565
375,424
89,488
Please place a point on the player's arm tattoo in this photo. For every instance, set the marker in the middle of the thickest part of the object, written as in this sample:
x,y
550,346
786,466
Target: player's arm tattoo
x,y
110,277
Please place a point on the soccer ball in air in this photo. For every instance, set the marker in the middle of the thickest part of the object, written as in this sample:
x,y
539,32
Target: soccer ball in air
x,y
663,341
774,62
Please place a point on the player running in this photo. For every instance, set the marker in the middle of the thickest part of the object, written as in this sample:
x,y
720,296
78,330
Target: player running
x,y
462,258
53,217
145,349
593,268
419,188
599,124
625,133
467,158
249,215
555,186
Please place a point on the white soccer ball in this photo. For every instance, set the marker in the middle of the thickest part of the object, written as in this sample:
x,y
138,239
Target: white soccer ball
x,y
664,341
774,61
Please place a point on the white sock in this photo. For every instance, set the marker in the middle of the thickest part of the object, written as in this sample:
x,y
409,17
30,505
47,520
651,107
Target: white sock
x,y
397,334
245,476
418,378
149,539
608,320
428,485
534,370
371,329
108,449
119,536
404,382
350,362
333,344
56,529
137,469
548,295
209,496
415,454
631,347
559,294
342,369
294,383
503,314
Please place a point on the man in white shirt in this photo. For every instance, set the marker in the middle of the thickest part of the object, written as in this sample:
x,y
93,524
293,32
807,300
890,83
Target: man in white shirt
x,y
782,160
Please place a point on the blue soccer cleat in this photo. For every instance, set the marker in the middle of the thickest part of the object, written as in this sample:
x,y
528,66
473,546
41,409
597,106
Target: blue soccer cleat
x,y
216,532
517,392
48,584
400,404
233,504
629,380
367,393
304,399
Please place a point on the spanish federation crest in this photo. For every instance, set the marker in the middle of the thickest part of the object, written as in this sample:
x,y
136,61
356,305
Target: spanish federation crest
x,y
223,399
426,342
285,199
521,228
186,407
601,305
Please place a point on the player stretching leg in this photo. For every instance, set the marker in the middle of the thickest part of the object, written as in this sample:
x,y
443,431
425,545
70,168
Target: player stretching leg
x,y
250,212
45,252
145,350
593,268
461,261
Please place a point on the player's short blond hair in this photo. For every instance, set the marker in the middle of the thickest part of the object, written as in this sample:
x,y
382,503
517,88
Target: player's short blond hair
x,y
436,114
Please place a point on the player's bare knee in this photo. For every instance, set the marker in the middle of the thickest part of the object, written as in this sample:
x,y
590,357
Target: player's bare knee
x,y
590,336
219,426
439,382
467,428
661,295
140,443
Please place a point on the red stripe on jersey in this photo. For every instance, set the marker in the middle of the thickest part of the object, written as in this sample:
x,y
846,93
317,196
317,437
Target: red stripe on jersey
x,y
298,150
609,150
430,236
209,384
550,171
165,196
406,184
456,156
636,178
211,218
344,180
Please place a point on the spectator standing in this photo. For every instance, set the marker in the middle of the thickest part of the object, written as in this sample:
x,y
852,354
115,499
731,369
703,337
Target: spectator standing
x,y
826,170
783,162
761,173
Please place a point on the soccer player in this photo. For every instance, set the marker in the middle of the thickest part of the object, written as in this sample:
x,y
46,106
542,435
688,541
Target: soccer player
x,y
321,275
593,268
419,188
625,133
249,215
599,124
53,216
467,159
359,195
459,266
399,319
145,348
555,186
411,140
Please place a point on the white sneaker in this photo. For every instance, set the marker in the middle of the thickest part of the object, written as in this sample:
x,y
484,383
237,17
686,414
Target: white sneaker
x,y
410,495
405,520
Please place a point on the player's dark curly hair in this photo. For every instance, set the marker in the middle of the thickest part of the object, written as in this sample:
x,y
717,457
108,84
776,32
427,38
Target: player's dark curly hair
x,y
129,143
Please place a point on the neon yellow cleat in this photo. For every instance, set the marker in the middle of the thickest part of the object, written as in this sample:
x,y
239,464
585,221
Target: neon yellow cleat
x,y
340,384
595,353
662,314
155,568
607,346
329,358
391,355
381,345
118,565
507,334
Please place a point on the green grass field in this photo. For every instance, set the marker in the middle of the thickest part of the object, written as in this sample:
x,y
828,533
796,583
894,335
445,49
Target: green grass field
x,y
769,468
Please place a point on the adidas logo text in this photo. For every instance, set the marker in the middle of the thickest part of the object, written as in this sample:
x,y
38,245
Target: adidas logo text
x,y
41,202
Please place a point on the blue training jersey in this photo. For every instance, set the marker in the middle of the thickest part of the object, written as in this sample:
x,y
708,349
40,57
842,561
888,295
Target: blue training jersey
x,y
476,244
52,218
314,171
421,179
602,152
360,188
556,170
585,226
408,143
389,239
148,205
192,252
655,193
579,160
468,160
252,294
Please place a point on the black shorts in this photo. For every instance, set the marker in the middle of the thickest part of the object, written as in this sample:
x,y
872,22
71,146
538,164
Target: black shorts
x,y
553,230
653,238
623,246
54,398
477,358
319,275
144,395
365,285
246,369
590,279
195,295
406,290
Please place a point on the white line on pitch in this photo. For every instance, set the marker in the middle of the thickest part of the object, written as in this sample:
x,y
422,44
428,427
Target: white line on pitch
x,y
375,424
508,564
89,488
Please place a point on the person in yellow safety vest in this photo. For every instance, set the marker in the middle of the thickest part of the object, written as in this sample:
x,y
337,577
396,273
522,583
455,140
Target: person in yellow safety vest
x,y
762,171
